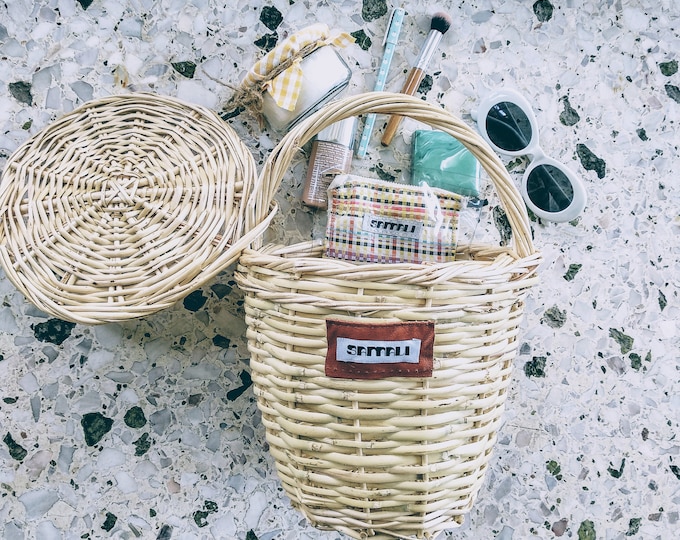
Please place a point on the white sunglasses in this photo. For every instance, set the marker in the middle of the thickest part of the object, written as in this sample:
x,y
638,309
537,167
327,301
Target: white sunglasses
x,y
550,190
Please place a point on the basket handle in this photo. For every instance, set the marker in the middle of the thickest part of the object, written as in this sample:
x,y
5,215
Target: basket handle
x,y
278,162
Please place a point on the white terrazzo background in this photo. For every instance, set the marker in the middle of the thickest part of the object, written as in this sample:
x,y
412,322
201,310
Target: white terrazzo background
x,y
590,448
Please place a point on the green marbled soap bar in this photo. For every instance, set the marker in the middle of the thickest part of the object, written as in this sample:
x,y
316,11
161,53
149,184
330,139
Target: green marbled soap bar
x,y
440,160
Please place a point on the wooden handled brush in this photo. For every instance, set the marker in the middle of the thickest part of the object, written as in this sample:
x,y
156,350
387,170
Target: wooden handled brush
x,y
438,27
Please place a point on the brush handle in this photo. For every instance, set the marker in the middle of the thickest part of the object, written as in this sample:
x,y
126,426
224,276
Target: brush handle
x,y
415,77
391,38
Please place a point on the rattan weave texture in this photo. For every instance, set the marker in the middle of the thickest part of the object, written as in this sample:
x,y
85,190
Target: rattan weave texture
x,y
123,206
396,457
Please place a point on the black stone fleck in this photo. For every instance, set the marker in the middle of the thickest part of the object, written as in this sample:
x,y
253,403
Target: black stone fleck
x,y
227,115
200,518
500,219
425,85
221,290
95,426
110,521
669,68
568,116
662,303
635,361
221,341
642,134
383,174
236,392
135,418
271,17
142,445
201,515
616,473
21,91
535,367
250,535
673,92
543,10
572,271
53,331
85,3
165,533
633,526
554,318
195,301
554,469
624,341
267,42
187,69
590,161
361,39
373,9
676,471
16,451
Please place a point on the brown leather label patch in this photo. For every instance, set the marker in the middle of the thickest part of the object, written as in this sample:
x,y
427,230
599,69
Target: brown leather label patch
x,y
376,350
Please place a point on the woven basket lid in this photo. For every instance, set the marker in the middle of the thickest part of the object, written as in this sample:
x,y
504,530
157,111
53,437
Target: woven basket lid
x,y
124,206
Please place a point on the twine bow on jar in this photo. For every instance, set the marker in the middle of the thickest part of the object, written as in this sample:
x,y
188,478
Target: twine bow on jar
x,y
279,72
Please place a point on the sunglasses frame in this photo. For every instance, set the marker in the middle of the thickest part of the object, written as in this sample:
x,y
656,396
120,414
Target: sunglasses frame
x,y
534,151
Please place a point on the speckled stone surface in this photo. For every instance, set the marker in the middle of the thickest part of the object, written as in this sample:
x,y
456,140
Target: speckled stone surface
x,y
149,429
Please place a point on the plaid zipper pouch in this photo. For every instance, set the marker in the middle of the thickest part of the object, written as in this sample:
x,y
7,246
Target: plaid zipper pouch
x,y
371,220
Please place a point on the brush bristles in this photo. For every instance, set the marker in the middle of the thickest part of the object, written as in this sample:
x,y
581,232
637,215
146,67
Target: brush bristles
x,y
441,22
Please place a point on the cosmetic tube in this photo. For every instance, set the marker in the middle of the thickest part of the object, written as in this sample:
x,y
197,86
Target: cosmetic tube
x,y
331,155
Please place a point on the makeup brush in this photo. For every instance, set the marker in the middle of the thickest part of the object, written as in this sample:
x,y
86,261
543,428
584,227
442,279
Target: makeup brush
x,y
438,27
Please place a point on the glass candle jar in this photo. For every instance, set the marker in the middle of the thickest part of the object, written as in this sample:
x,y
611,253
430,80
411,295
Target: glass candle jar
x,y
325,74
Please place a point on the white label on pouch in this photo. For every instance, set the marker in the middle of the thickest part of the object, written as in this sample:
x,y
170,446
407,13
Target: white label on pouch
x,y
362,351
390,226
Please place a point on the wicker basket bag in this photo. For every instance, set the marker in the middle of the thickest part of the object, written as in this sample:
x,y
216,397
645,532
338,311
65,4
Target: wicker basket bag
x,y
125,205
393,457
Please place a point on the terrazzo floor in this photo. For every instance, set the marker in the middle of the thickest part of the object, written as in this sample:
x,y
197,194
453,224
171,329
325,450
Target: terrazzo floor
x,y
149,428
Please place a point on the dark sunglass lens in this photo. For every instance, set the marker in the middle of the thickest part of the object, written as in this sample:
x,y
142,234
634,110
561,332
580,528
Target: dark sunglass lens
x,y
549,188
508,127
